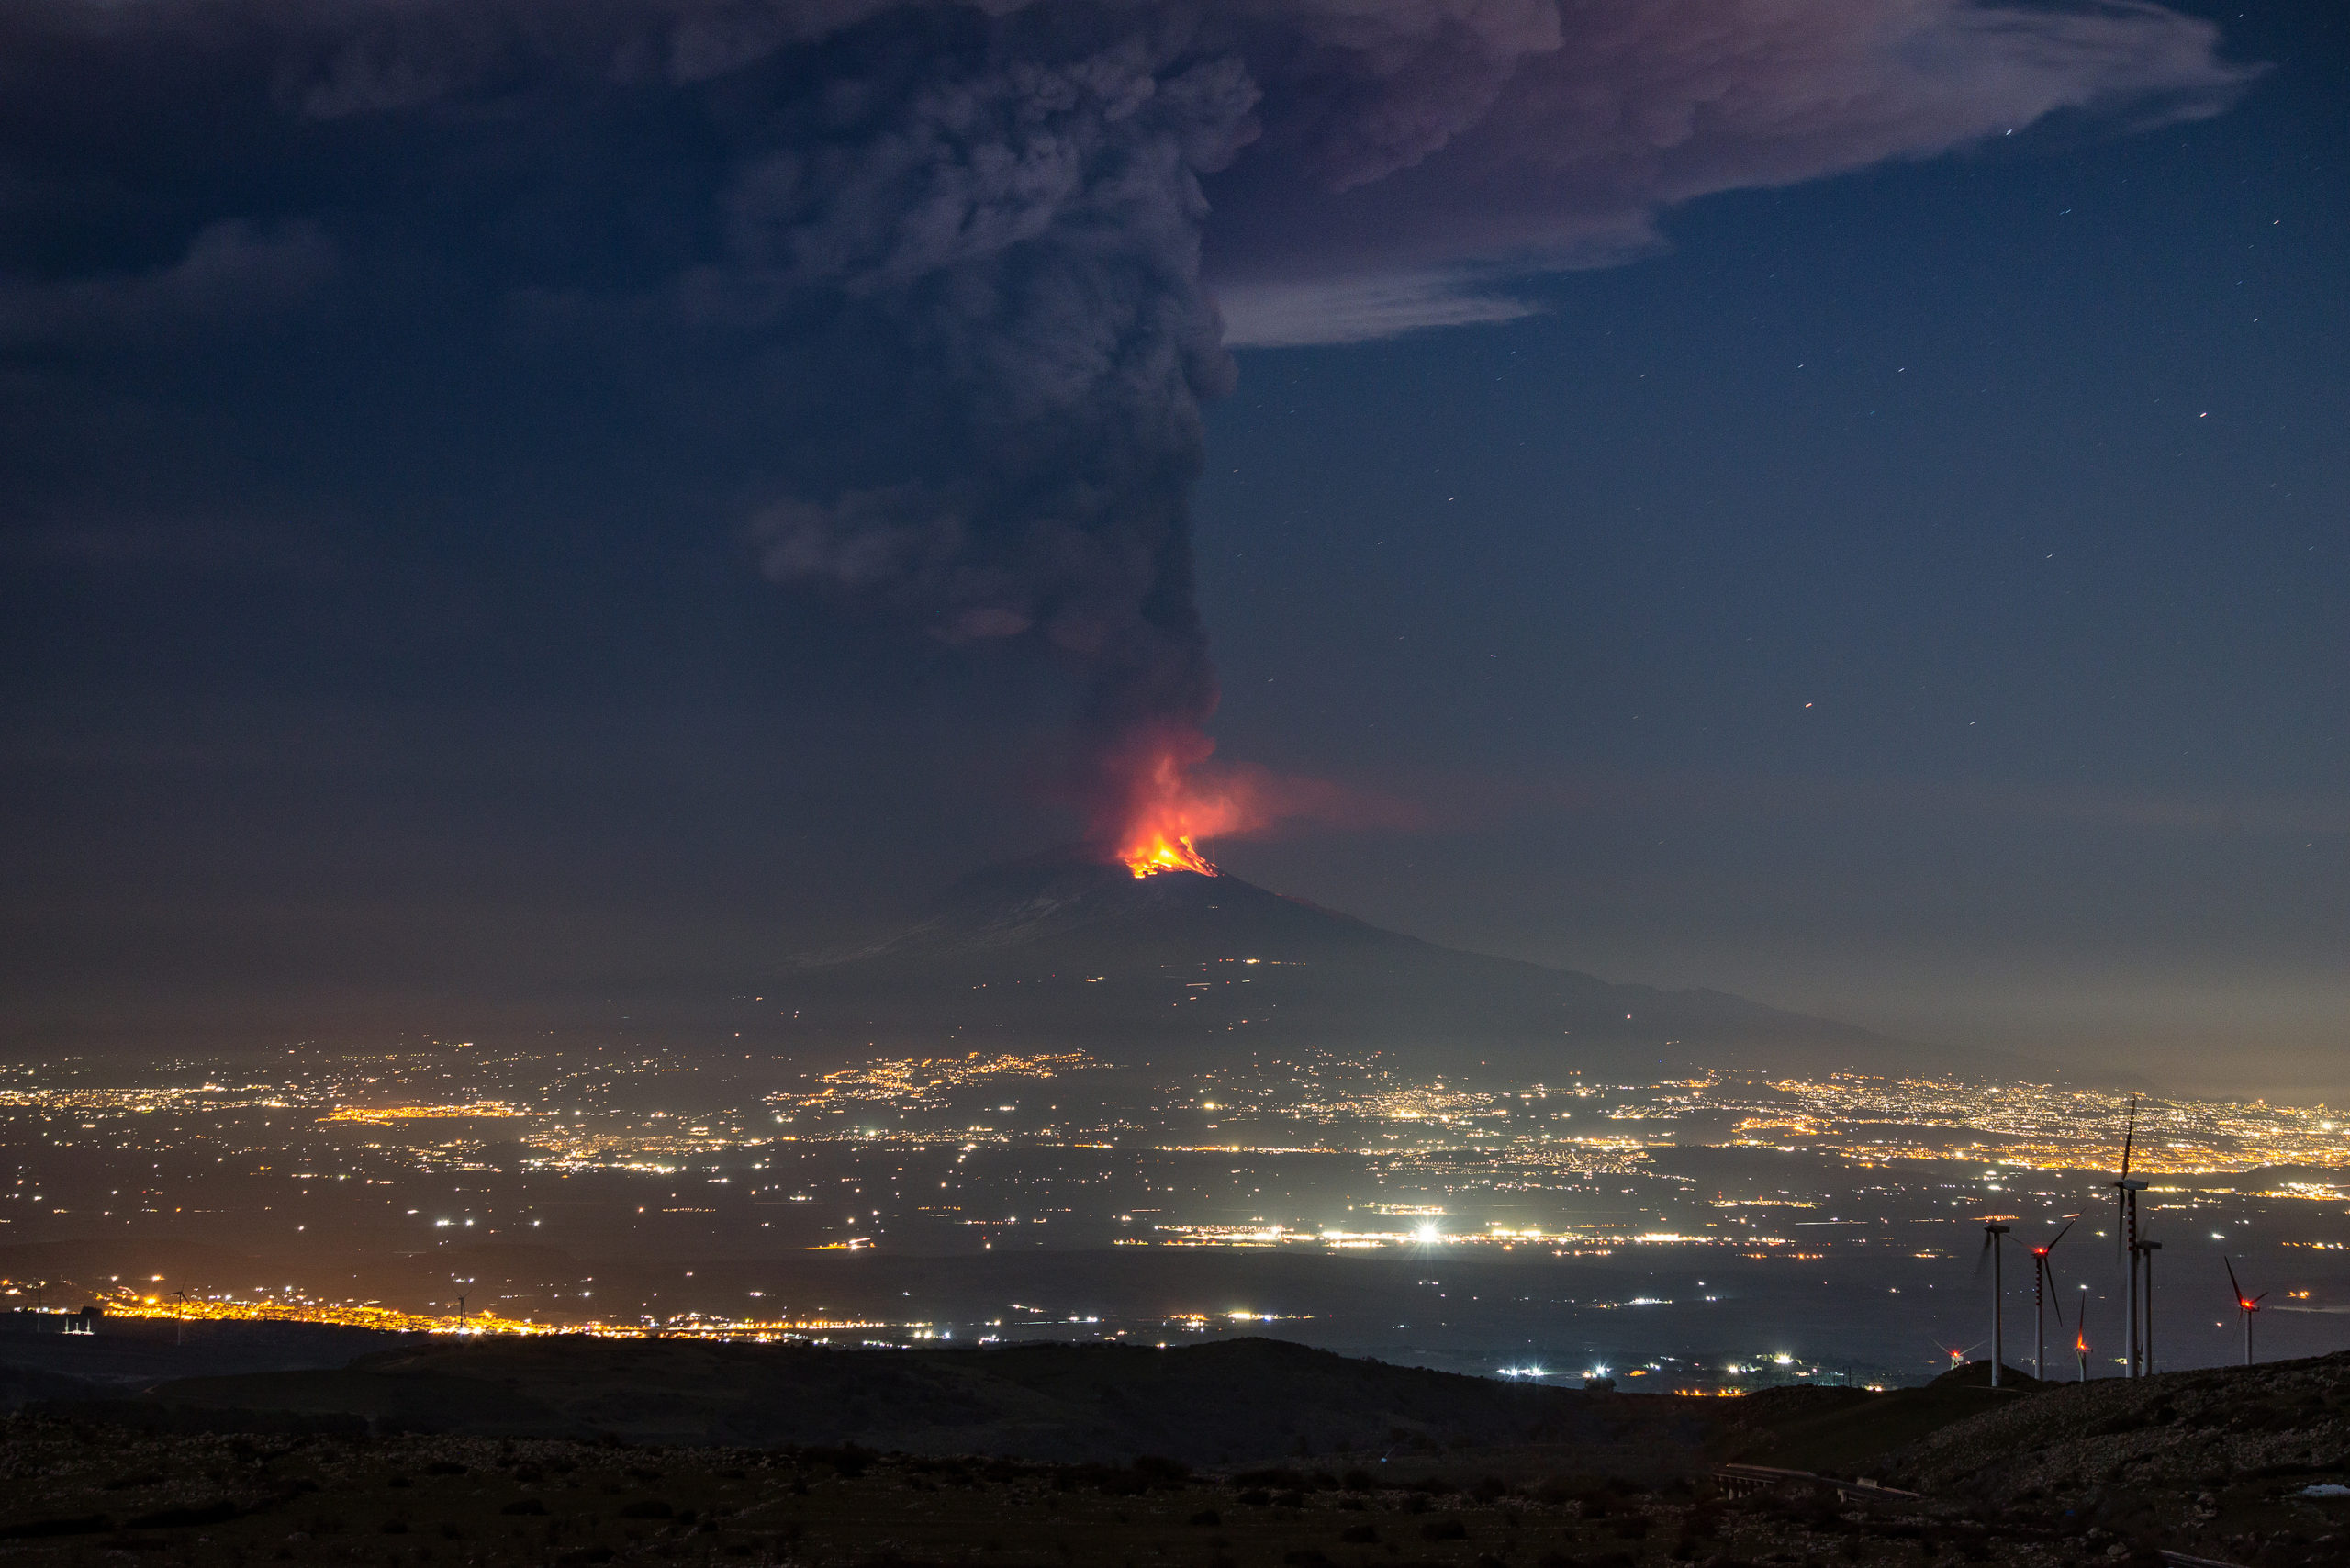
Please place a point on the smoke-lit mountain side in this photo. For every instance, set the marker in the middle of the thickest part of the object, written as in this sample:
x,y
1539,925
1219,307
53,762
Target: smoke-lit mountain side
x,y
1183,971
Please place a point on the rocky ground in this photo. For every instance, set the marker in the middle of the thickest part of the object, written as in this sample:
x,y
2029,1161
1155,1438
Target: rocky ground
x,y
2232,1465
2248,1465
83,1495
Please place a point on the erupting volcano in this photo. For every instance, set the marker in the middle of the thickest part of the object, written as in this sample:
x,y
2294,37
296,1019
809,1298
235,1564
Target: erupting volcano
x,y
1158,807
1154,799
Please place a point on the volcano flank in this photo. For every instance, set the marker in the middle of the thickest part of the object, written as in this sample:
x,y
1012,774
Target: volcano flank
x,y
1177,969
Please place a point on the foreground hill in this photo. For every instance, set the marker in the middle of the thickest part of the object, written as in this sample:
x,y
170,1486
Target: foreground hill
x,y
2225,1456
1183,971
2236,1464
2233,1466
1239,1401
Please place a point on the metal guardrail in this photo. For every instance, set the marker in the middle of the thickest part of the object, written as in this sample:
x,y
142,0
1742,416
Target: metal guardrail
x,y
1744,1480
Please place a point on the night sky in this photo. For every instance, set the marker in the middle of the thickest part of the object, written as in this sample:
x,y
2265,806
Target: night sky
x,y
507,504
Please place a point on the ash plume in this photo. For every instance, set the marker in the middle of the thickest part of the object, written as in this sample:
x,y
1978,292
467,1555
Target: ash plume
x,y
929,295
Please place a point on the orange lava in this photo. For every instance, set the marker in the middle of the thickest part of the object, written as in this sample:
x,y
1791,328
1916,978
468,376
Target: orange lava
x,y
1156,852
1157,798
1164,808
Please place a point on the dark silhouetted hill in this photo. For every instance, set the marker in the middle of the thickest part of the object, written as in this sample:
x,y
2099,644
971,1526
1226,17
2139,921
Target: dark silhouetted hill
x,y
1236,1401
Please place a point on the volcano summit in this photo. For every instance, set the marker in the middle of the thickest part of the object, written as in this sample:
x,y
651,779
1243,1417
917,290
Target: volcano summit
x,y
1185,970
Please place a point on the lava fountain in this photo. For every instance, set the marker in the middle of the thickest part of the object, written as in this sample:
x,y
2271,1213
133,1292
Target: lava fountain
x,y
1157,806
1156,798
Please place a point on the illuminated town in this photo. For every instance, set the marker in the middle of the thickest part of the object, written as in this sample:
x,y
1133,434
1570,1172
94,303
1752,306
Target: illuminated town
x,y
465,1191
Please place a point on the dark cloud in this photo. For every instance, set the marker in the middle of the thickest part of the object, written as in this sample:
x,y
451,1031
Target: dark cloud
x,y
914,298
232,275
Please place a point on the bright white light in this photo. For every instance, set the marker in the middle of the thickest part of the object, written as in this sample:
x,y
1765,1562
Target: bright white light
x,y
1428,1232
1784,1360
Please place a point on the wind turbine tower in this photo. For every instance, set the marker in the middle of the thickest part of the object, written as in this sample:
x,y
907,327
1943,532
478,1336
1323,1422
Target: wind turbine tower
x,y
2126,1189
1994,1233
2245,1307
2044,1283
2146,1309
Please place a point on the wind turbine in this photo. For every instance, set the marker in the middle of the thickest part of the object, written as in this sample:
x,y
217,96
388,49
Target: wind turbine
x,y
2146,1309
1958,1353
2043,1278
1994,1233
2245,1304
2126,1189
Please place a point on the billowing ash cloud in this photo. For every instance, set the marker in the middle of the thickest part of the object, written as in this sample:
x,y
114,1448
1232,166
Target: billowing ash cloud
x,y
925,297
1032,212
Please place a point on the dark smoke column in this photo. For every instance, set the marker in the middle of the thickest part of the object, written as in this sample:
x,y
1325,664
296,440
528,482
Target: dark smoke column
x,y
1024,223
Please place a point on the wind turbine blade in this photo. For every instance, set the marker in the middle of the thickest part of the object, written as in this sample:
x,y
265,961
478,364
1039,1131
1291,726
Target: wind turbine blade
x,y
2060,1235
2261,1297
2231,1268
1983,1256
2129,1135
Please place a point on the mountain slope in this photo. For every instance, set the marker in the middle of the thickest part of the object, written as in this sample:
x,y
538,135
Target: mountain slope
x,y
1185,970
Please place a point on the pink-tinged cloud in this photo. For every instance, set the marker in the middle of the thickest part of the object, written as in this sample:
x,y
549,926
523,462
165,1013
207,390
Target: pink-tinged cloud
x,y
1417,160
